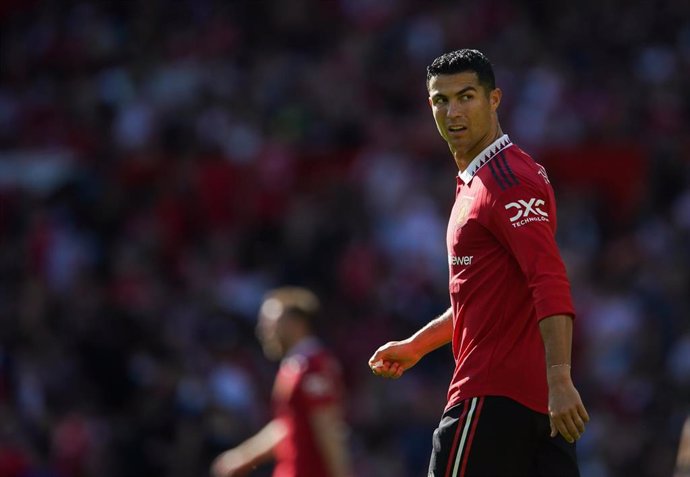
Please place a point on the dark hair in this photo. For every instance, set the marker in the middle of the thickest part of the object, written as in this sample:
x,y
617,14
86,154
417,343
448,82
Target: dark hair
x,y
459,61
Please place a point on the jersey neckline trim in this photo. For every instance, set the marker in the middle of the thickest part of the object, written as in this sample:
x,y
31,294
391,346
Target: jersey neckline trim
x,y
483,157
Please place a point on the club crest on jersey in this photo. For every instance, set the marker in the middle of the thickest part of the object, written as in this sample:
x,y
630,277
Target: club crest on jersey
x,y
527,211
464,205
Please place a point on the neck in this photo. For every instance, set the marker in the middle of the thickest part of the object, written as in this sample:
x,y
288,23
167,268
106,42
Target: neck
x,y
299,345
463,158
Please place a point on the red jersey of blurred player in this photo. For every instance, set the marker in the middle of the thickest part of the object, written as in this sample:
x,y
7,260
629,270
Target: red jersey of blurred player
x,y
308,381
307,435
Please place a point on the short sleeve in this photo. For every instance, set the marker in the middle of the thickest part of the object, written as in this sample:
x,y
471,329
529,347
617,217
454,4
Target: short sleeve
x,y
320,385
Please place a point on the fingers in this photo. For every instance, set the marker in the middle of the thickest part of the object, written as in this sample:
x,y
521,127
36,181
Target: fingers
x,y
570,424
383,363
573,432
393,359
380,368
563,429
579,425
582,412
387,369
377,363
400,372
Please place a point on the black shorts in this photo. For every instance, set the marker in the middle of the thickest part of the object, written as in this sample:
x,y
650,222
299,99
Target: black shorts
x,y
495,436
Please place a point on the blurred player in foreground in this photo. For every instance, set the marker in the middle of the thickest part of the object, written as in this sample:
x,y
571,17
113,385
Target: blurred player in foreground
x,y
307,435
512,407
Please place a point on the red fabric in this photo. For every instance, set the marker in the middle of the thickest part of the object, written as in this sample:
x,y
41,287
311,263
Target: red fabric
x,y
307,380
506,273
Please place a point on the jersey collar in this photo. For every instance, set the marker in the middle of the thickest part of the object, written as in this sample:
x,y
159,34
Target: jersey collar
x,y
483,157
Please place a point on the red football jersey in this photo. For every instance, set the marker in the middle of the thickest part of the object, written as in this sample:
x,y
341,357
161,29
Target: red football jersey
x,y
506,274
308,378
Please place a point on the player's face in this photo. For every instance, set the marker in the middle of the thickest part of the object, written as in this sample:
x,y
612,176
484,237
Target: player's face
x,y
465,113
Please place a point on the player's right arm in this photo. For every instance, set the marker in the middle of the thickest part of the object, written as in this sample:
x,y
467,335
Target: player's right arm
x,y
252,452
395,357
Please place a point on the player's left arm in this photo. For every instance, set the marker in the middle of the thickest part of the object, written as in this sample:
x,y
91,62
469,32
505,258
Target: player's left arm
x,y
524,221
331,437
567,413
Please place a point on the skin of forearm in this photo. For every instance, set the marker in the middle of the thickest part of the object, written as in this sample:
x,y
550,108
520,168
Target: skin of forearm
x,y
259,448
435,334
557,332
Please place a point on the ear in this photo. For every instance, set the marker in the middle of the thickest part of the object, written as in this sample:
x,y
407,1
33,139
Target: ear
x,y
430,104
495,98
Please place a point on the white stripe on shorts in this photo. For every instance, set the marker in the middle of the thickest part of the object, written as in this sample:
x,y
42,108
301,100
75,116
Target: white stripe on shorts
x,y
468,424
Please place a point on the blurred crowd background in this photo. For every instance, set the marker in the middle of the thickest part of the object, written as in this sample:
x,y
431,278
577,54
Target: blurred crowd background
x,y
164,163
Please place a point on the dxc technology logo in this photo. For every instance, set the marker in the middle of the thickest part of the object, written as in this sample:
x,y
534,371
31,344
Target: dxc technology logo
x,y
527,211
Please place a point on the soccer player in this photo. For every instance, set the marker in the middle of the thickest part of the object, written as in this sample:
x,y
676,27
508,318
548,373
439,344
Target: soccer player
x,y
307,434
512,408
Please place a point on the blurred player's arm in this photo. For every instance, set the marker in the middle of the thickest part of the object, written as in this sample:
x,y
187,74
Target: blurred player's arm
x,y
683,459
566,411
395,357
252,452
331,437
